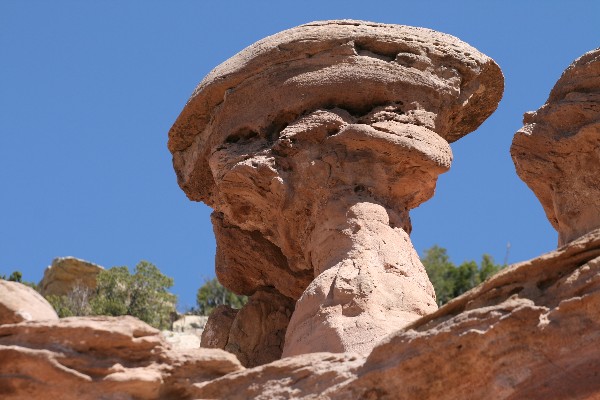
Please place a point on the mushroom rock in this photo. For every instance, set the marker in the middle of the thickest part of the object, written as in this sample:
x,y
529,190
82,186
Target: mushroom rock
x,y
312,145
557,152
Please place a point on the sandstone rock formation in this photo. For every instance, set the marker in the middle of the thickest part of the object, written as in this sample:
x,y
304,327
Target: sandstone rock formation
x,y
530,332
557,152
101,358
67,272
20,303
216,331
255,334
312,145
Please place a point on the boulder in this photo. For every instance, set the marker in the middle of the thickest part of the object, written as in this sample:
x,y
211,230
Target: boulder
x,y
312,145
66,273
20,303
557,151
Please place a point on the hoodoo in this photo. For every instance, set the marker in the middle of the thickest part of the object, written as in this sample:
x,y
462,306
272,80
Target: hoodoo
x,y
312,145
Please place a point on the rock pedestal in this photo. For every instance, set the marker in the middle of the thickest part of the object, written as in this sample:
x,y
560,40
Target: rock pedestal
x,y
312,145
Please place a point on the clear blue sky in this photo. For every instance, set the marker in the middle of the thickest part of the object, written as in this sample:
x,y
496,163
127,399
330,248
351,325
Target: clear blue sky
x,y
89,90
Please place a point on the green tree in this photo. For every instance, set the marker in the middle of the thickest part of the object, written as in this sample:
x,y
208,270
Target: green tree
x,y
441,273
466,277
213,294
74,303
450,281
142,294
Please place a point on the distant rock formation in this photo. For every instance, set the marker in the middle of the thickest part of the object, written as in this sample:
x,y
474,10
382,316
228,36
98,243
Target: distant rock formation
x,y
67,272
312,145
20,303
557,152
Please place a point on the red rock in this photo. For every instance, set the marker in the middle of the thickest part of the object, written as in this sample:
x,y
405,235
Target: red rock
x,y
100,357
312,145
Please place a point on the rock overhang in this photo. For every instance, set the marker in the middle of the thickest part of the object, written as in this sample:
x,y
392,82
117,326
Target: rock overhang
x,y
435,79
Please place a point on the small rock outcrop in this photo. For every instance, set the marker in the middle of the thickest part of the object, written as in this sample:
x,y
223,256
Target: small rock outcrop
x,y
67,272
20,303
312,145
101,358
557,152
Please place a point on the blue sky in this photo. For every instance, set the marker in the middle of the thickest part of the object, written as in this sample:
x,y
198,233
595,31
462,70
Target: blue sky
x,y
89,90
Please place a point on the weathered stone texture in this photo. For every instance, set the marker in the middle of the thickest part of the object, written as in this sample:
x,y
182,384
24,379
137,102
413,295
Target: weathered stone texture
x,y
100,358
308,136
557,152
530,332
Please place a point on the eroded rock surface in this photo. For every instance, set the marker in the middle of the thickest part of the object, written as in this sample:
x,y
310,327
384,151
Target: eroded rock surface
x,y
100,358
20,303
256,332
312,145
67,272
557,152
307,376
530,332
216,331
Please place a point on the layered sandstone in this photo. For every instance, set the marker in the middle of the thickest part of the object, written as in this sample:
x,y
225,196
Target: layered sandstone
x,y
312,145
101,358
557,152
66,273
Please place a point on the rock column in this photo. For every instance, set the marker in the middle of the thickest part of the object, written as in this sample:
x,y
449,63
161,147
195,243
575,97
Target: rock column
x,y
312,145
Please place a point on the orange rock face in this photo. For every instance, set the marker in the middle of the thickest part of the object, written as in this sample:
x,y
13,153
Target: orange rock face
x,y
557,152
312,145
100,357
